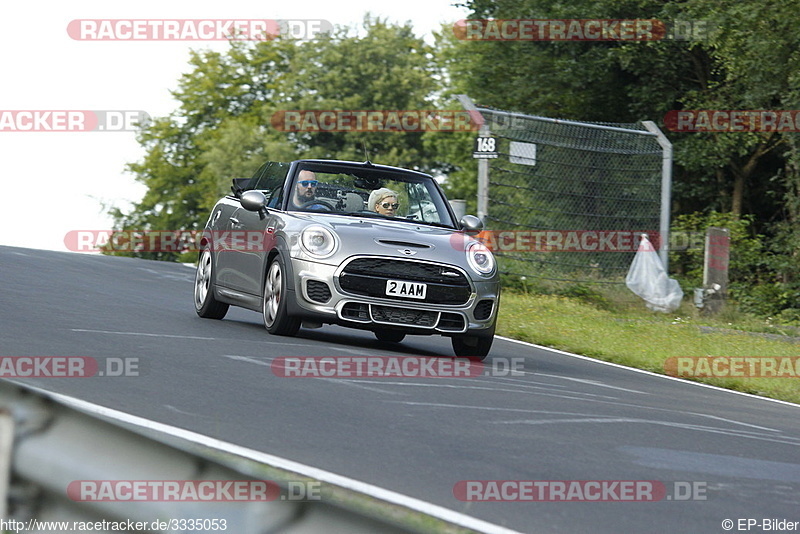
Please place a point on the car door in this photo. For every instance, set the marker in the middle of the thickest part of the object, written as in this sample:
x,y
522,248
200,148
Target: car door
x,y
252,234
252,237
219,230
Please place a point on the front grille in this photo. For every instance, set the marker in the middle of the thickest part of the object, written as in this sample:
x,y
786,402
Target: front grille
x,y
367,276
409,270
483,310
388,314
318,291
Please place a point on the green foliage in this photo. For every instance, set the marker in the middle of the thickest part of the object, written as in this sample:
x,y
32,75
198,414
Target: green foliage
x,y
628,81
586,295
222,128
763,273
388,68
603,299
689,230
780,294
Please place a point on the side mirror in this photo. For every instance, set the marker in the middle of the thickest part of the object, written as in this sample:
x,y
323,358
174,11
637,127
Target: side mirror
x,y
471,224
254,201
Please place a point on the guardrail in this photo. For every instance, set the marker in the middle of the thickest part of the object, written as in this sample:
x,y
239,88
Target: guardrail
x,y
50,444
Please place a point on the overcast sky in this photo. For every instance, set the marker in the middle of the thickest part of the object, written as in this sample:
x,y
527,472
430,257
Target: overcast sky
x,y
56,182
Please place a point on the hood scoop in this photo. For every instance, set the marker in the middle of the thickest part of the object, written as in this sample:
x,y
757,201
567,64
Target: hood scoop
x,y
405,244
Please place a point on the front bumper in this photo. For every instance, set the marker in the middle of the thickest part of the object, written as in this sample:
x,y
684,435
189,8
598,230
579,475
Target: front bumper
x,y
319,296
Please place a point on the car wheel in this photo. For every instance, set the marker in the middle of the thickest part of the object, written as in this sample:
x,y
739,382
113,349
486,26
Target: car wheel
x,y
389,336
472,346
276,318
204,302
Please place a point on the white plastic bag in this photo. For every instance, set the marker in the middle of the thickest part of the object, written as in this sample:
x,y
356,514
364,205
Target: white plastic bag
x,y
648,279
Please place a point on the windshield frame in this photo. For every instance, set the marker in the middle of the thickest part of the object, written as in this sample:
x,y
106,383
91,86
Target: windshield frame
x,y
373,176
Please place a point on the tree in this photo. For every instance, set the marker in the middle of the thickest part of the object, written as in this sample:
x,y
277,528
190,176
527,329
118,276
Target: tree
x,y
223,127
631,81
389,68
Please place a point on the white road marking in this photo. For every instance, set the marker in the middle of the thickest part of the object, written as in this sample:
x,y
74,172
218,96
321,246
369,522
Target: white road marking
x,y
672,424
176,410
436,383
248,360
175,336
595,383
595,418
140,334
359,385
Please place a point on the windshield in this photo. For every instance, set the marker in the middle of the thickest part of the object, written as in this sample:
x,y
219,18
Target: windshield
x,y
369,193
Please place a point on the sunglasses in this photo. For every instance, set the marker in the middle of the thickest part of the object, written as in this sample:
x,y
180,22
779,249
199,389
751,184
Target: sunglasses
x,y
394,206
308,183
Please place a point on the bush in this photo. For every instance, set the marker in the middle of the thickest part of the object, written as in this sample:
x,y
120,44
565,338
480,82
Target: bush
x,y
763,272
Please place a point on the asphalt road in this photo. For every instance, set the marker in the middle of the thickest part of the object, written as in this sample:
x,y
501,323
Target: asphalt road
x,y
564,419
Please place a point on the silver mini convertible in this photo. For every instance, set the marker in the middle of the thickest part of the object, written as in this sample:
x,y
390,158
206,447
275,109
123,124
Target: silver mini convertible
x,y
354,244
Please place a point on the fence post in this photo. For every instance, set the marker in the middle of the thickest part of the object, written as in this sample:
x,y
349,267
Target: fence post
x,y
666,190
483,164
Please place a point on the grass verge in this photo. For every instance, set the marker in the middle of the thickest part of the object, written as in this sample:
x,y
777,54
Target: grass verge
x,y
620,330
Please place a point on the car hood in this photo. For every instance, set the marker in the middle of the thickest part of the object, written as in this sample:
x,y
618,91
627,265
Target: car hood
x,y
401,239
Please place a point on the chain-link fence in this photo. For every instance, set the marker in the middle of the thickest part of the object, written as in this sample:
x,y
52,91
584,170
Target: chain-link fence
x,y
567,200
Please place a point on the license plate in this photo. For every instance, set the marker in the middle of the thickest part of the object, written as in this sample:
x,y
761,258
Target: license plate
x,y
399,288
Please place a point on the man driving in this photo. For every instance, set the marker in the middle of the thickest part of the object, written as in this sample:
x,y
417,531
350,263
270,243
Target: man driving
x,y
305,190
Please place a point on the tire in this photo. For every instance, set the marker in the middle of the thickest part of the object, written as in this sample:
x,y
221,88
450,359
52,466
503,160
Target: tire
x,y
273,309
472,346
389,336
205,304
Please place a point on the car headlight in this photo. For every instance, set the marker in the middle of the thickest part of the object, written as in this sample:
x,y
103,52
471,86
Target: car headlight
x,y
480,258
318,241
